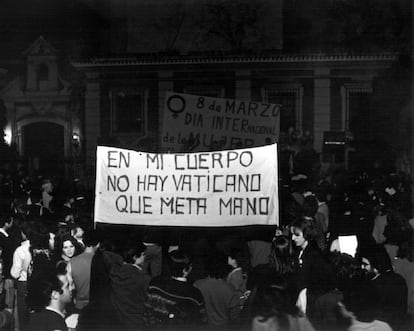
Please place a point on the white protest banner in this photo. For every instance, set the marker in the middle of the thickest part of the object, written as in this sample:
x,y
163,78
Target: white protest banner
x,y
225,188
196,123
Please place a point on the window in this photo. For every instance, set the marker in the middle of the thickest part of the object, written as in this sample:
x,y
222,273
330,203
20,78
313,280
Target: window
x,y
128,110
290,97
42,72
356,109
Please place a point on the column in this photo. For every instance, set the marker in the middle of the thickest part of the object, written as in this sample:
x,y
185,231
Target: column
x,y
92,117
165,84
322,106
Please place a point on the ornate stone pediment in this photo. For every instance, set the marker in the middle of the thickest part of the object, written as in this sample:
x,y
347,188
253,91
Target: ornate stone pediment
x,y
40,47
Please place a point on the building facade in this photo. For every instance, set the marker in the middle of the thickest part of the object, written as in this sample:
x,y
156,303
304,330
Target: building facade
x,y
138,51
41,120
124,102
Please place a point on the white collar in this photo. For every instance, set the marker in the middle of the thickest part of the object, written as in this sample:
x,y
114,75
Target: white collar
x,y
181,279
136,266
25,243
4,232
376,276
235,269
55,310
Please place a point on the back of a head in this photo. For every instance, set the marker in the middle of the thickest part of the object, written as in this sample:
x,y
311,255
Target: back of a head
x,y
217,266
5,217
358,300
91,238
310,206
242,259
132,250
177,262
382,261
282,247
321,193
39,240
273,302
28,229
40,290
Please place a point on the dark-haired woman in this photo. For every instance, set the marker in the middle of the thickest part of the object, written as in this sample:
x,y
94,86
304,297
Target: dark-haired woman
x,y
282,257
66,248
313,275
280,267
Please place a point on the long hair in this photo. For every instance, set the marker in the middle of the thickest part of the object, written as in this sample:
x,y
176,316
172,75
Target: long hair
x,y
60,241
281,257
305,224
273,303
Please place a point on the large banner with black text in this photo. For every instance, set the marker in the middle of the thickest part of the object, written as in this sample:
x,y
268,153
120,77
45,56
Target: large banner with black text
x,y
223,188
193,123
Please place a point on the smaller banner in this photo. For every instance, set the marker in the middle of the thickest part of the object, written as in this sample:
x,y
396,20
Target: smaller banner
x,y
224,188
193,123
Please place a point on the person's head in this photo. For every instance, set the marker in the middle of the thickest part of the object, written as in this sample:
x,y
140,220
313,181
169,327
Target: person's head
x,y
375,260
302,231
282,247
77,231
27,229
40,241
237,258
134,253
91,239
217,266
179,265
321,193
357,303
281,255
271,307
6,219
49,290
47,186
346,269
310,206
67,247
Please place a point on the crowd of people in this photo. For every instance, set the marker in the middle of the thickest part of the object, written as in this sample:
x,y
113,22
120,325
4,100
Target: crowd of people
x,y
61,272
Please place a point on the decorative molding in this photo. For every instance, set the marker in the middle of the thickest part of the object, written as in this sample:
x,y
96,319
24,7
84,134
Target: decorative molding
x,y
206,90
180,60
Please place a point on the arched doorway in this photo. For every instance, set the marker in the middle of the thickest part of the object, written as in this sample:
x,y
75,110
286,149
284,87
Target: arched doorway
x,y
44,147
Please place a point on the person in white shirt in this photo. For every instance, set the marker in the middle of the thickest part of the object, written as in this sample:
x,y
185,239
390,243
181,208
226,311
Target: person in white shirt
x,y
47,189
21,262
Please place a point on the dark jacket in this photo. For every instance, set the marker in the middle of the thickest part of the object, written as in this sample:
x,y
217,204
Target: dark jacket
x,y
128,289
313,272
173,303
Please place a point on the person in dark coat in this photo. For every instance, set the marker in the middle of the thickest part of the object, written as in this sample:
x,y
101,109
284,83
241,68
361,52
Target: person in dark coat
x,y
52,295
172,302
388,288
128,284
313,273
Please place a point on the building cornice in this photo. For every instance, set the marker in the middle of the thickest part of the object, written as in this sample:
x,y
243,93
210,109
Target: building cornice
x,y
194,60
